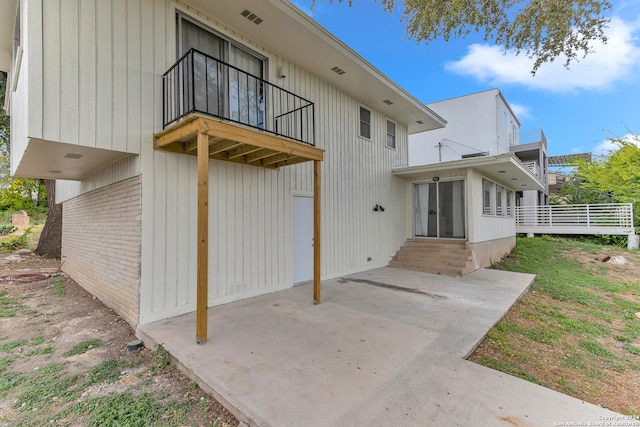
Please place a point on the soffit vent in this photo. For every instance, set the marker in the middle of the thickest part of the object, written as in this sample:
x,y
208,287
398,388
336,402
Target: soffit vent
x,y
386,101
73,156
252,17
420,122
55,171
339,71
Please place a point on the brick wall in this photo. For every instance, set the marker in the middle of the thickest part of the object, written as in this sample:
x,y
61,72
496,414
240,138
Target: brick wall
x,y
101,248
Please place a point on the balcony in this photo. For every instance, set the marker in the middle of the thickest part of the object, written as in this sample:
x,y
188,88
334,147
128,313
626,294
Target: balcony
x,y
213,110
247,119
536,170
527,136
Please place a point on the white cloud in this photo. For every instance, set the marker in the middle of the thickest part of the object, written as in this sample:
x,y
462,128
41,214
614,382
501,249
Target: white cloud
x,y
521,111
599,70
606,146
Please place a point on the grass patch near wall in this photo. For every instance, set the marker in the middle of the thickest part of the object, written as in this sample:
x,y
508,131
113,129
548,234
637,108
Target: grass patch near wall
x,y
577,329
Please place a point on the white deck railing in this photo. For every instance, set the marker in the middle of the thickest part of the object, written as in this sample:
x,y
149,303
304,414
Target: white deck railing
x,y
614,218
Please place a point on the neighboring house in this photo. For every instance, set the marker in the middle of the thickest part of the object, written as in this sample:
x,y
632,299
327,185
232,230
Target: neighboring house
x,y
468,177
203,186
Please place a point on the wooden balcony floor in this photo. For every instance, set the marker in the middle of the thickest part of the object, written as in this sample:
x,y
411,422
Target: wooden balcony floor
x,y
234,143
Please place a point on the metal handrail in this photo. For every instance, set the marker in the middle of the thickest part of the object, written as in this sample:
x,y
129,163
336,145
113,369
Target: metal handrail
x,y
200,83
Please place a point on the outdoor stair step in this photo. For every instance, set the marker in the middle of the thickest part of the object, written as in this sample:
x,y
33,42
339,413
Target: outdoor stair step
x,y
444,259
434,269
447,257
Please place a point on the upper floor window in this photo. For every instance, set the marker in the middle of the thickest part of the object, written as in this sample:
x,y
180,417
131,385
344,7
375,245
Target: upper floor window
x,y
365,123
237,92
391,134
504,119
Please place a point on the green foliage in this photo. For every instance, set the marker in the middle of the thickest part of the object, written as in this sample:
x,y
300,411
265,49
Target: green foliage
x,y
542,30
108,370
83,347
48,383
57,285
5,363
587,308
8,347
8,306
9,381
16,193
17,242
163,357
612,178
7,229
119,410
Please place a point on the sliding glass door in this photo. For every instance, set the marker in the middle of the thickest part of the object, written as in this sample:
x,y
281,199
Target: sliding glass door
x,y
439,210
235,93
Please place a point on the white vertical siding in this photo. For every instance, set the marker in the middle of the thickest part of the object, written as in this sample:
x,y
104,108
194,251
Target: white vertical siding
x,y
27,100
105,92
250,208
101,71
118,171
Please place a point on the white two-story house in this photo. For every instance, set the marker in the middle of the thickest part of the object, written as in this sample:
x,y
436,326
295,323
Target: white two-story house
x,y
205,151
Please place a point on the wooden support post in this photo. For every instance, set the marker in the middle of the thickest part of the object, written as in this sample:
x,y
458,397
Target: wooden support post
x,y
202,280
316,231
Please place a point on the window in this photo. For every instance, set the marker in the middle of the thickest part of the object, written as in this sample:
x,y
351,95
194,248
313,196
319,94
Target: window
x,y
391,134
234,93
504,119
500,202
16,35
509,197
365,123
487,198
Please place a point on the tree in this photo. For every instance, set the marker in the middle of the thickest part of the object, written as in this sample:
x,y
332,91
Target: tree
x,y
22,193
614,176
542,29
50,243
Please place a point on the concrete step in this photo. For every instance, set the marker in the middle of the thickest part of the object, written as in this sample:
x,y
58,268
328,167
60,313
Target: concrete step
x,y
448,257
433,269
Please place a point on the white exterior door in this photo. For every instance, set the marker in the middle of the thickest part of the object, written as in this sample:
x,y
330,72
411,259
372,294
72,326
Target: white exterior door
x,y
302,239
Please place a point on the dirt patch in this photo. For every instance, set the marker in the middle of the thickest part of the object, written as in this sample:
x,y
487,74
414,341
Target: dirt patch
x,y
42,323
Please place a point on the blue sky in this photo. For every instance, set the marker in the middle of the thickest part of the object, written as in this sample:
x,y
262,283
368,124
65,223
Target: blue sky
x,y
579,109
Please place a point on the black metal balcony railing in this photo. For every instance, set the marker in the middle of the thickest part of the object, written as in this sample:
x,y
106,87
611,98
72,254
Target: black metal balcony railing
x,y
199,83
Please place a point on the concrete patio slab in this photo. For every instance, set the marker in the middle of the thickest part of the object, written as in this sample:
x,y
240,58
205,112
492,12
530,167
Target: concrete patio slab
x,y
385,347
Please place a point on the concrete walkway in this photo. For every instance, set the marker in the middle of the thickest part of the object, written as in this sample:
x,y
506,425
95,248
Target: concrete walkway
x,y
385,348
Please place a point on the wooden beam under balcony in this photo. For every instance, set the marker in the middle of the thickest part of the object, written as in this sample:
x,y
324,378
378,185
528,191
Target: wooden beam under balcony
x,y
209,138
235,143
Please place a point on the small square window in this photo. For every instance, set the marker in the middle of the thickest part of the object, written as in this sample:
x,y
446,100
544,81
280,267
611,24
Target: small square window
x,y
365,123
391,134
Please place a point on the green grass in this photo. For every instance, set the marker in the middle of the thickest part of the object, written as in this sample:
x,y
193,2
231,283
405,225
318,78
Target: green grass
x,y
585,305
57,285
8,347
122,409
83,347
6,362
8,306
39,351
49,384
108,370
